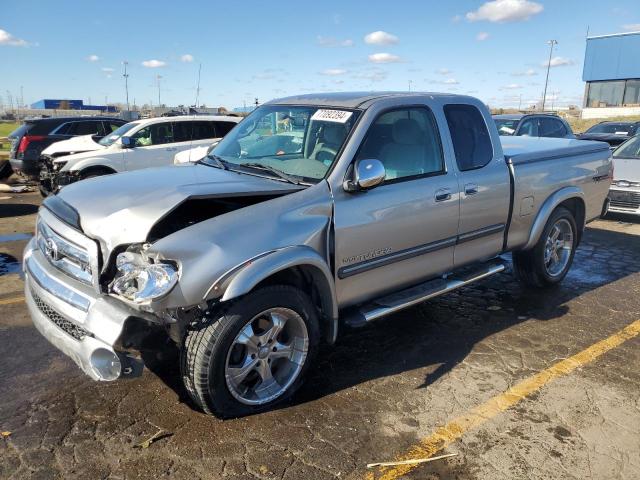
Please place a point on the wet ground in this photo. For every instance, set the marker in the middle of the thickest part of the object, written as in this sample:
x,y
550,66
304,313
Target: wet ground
x,y
381,390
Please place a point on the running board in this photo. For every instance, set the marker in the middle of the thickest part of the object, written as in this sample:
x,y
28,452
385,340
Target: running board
x,y
411,296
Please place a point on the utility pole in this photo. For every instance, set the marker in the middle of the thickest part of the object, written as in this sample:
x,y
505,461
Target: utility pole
x,y
158,77
546,82
520,102
409,86
126,82
256,103
198,86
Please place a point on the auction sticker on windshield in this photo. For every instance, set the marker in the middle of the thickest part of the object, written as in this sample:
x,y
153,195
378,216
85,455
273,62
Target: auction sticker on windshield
x,y
338,116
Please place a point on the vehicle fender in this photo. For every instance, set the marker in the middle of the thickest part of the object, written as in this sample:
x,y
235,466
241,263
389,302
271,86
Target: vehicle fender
x,y
243,278
549,205
82,163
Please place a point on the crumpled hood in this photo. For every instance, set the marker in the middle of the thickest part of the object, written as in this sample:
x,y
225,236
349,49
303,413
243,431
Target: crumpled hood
x,y
626,169
121,209
84,143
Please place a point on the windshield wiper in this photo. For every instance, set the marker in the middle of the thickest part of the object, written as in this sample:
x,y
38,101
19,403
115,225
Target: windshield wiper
x,y
275,171
219,163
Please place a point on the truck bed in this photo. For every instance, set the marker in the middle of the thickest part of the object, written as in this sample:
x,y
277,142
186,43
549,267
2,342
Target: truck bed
x,y
532,149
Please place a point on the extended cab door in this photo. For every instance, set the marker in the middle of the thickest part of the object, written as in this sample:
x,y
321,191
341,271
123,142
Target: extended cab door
x,y
483,183
152,147
404,230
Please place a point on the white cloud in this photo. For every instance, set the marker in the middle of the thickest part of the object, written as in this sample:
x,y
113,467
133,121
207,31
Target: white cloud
x,y
443,71
482,36
7,39
631,27
332,72
373,74
93,58
505,11
384,58
107,69
451,81
380,38
187,57
527,73
153,63
511,86
334,42
557,62
456,18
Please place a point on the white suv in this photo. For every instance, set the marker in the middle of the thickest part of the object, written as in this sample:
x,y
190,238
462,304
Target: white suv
x,y
141,144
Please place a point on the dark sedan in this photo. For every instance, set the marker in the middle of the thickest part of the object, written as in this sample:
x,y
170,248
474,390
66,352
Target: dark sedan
x,y
614,133
532,125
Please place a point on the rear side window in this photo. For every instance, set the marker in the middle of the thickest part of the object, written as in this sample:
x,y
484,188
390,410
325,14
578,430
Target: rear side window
x,y
529,128
551,127
222,128
203,130
470,136
85,128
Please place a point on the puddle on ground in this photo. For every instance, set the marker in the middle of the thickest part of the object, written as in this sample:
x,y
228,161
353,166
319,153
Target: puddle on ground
x,y
14,237
9,264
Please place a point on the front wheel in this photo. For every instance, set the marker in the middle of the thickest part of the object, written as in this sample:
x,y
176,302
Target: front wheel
x,y
253,355
549,261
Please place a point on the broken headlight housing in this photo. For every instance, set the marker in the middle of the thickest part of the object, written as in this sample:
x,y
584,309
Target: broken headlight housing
x,y
140,280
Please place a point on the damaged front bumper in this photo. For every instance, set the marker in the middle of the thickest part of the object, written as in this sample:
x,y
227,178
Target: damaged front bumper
x,y
84,325
51,177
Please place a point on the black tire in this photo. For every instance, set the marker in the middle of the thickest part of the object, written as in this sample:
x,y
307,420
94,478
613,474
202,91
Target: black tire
x,y
95,172
529,265
205,348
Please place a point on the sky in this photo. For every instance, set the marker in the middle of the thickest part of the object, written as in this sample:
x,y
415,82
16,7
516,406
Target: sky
x,y
495,50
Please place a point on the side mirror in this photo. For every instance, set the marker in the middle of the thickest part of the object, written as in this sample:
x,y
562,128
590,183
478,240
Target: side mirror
x,y
366,174
127,142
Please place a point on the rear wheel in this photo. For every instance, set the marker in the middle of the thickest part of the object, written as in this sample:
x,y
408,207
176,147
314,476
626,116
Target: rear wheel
x,y
253,355
94,172
548,262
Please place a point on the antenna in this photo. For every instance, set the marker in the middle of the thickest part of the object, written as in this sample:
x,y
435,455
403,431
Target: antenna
x,y
198,85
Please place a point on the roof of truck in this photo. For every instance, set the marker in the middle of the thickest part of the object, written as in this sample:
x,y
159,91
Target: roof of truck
x,y
349,99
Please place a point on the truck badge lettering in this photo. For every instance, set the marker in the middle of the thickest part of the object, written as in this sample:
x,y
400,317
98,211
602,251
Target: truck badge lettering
x,y
367,255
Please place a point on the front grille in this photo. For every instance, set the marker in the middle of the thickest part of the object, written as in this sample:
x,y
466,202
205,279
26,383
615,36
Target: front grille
x,y
65,325
628,200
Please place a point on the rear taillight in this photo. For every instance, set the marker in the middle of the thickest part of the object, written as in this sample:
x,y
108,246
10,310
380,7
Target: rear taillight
x,y
26,140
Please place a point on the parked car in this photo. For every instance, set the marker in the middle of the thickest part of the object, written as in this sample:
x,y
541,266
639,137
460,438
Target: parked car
x,y
614,133
33,136
140,144
248,259
533,125
624,194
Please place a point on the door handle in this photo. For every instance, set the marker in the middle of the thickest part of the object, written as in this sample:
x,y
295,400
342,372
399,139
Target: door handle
x,y
443,194
471,188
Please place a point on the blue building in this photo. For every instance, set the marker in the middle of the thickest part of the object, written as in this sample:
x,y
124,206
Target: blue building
x,y
55,104
612,75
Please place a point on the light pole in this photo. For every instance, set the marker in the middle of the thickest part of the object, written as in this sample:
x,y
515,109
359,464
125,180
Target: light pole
x,y
546,82
126,82
409,85
158,77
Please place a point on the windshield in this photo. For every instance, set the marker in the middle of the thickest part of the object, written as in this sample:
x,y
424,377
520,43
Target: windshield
x,y
506,127
629,149
301,142
116,134
613,128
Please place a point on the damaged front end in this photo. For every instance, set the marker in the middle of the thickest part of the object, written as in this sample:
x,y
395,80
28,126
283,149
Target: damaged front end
x,y
51,177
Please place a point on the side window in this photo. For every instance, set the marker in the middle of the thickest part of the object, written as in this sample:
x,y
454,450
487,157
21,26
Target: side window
x,y
406,141
529,128
551,127
62,129
155,134
111,127
182,131
471,141
203,130
222,128
89,127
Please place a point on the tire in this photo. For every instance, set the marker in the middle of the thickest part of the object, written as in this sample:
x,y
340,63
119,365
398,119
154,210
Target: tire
x,y
92,173
213,353
533,268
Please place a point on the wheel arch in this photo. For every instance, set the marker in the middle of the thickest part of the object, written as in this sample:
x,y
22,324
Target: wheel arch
x,y
96,169
299,266
571,198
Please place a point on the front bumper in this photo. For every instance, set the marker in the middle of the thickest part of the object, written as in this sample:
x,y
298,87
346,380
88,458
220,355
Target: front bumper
x,y
624,200
84,325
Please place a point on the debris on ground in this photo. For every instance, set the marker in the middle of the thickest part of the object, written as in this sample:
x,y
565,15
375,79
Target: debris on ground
x,y
410,462
5,434
4,188
160,434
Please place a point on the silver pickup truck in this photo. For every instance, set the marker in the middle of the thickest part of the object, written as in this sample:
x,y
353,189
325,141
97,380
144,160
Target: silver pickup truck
x,y
315,212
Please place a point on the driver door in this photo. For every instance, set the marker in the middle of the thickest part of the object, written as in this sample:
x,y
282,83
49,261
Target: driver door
x,y
403,231
152,147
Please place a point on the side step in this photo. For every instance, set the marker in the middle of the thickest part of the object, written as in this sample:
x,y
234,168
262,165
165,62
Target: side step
x,y
397,301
